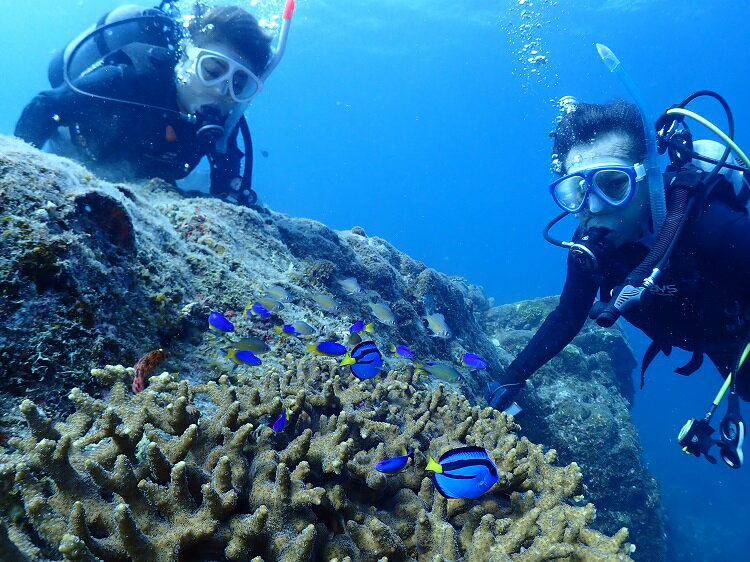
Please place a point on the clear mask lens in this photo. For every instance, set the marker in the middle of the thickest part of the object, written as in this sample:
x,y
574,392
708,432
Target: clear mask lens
x,y
244,85
212,69
571,192
614,184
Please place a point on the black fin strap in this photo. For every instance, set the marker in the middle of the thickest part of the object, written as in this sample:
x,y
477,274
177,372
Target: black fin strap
x,y
653,350
691,366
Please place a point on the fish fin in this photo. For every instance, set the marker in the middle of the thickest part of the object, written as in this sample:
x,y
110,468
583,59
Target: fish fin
x,y
312,349
370,328
404,452
347,361
433,466
393,348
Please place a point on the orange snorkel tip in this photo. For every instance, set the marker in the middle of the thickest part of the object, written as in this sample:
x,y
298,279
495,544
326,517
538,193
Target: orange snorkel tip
x,y
288,10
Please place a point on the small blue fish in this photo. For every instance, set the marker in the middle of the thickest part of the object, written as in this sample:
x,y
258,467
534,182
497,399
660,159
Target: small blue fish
x,y
474,361
219,322
299,328
328,348
365,361
360,326
402,351
243,356
396,464
257,309
463,473
287,330
280,423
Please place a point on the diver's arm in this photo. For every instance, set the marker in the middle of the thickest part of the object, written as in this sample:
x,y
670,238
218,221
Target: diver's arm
x,y
560,326
62,106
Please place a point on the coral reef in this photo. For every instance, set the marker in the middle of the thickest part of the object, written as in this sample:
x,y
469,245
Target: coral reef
x,y
183,472
95,273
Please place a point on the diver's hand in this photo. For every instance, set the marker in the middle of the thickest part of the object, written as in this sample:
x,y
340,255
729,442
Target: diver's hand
x,y
501,396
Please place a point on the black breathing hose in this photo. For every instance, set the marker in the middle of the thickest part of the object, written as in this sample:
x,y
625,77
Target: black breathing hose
x,y
670,231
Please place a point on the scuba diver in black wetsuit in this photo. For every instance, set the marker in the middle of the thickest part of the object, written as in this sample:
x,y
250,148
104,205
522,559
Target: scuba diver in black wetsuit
x,y
148,93
682,278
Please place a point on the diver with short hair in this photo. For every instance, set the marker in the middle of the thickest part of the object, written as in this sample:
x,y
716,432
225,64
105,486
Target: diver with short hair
x,y
148,93
682,278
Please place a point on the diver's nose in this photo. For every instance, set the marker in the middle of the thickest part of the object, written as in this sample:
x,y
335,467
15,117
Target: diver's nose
x,y
223,87
595,203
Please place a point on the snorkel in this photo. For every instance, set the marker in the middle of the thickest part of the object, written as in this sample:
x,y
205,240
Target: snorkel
x,y
278,52
239,111
653,173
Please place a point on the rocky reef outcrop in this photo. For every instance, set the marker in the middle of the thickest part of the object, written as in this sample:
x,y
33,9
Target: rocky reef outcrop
x,y
95,273
579,403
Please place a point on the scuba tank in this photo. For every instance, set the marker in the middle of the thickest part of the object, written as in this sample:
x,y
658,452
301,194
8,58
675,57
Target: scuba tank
x,y
122,27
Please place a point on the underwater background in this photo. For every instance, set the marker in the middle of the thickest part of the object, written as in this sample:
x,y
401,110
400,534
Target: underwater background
x,y
425,123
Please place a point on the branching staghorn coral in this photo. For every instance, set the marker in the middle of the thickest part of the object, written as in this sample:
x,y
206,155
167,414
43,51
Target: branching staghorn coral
x,y
181,472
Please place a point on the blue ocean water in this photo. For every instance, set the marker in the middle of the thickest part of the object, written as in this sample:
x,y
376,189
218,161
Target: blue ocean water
x,y
425,123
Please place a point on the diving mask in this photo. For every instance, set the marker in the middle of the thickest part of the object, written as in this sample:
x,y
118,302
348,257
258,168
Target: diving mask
x,y
216,69
613,184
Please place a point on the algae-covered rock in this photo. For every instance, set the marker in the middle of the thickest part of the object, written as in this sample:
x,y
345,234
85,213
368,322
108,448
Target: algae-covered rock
x,y
183,472
579,405
95,273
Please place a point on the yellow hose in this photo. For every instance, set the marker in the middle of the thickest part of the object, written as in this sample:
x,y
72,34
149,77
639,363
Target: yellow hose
x,y
721,134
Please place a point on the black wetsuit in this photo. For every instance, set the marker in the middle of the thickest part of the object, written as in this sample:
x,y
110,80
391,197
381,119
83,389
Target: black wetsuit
x,y
123,141
701,301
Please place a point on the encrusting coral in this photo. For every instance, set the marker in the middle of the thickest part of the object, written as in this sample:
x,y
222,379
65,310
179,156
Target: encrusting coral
x,y
181,472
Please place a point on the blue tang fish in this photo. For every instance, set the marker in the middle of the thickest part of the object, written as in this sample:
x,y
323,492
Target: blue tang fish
x,y
329,348
280,423
396,464
463,473
365,361
402,351
474,361
219,322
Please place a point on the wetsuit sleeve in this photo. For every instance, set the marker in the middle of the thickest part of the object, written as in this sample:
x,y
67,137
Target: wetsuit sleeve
x,y
560,327
722,240
225,167
62,106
